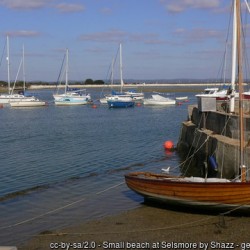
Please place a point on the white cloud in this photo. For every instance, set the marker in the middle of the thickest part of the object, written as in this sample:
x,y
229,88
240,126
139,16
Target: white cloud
x,y
38,4
198,34
176,6
106,36
23,33
118,36
64,7
24,4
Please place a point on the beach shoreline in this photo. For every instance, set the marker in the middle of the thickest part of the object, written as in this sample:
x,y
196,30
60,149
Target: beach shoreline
x,y
146,85
148,226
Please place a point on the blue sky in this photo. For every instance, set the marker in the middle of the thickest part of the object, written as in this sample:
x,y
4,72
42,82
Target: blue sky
x,y
161,39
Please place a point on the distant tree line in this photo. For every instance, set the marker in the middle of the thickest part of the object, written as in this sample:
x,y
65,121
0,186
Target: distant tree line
x,y
19,84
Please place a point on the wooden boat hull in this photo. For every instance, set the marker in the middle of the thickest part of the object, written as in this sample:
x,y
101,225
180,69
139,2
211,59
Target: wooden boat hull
x,y
174,190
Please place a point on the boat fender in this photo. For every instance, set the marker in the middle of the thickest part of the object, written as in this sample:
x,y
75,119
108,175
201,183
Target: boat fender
x,y
213,163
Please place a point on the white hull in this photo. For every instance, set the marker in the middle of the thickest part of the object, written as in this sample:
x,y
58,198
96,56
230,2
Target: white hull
x,y
159,100
136,96
5,99
153,102
103,101
69,103
71,99
182,98
214,92
35,103
122,98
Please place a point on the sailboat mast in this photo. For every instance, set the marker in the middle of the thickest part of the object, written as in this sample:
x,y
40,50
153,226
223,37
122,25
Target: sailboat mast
x,y
24,80
8,62
234,55
67,70
112,72
241,90
121,77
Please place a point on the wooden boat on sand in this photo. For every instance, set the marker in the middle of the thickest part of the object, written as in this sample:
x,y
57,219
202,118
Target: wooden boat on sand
x,y
191,191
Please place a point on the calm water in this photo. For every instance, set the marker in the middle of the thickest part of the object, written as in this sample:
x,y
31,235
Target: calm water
x,y
64,165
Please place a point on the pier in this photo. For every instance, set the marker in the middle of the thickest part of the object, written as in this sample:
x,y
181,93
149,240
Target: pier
x,y
215,133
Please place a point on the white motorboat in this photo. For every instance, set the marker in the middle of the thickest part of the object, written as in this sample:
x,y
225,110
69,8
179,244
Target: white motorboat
x,y
159,100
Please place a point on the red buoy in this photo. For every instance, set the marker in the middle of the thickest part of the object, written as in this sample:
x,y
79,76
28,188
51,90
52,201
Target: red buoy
x,y
168,145
94,106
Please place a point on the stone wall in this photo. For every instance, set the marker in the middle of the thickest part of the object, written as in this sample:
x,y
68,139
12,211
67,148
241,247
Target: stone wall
x,y
220,129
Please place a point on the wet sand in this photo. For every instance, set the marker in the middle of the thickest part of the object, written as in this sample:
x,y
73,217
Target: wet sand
x,y
150,227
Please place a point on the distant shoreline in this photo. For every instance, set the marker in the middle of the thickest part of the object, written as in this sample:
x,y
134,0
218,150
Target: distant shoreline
x,y
145,87
150,85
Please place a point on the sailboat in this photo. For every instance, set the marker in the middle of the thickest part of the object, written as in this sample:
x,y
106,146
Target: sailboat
x,y
71,96
26,101
104,100
10,96
120,99
195,191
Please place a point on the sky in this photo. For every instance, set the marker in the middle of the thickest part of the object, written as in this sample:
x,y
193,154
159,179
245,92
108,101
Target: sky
x,y
161,39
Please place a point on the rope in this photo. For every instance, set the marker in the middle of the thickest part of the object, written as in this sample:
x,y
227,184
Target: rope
x,y
197,151
60,208
234,209
190,149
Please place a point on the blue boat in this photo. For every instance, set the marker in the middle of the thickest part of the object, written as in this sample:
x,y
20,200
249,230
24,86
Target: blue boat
x,y
120,103
120,99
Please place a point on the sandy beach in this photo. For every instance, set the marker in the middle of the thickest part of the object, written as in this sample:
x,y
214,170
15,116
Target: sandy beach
x,y
150,227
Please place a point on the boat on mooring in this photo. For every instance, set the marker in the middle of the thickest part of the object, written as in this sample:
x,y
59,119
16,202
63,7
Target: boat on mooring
x,y
71,96
120,99
157,99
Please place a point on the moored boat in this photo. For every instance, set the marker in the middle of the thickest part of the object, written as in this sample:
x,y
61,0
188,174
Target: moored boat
x,y
137,96
219,94
120,100
157,99
182,98
33,102
70,96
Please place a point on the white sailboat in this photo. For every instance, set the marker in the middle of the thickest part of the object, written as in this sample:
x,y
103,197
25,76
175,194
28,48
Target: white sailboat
x,y
70,96
10,96
25,101
120,100
104,100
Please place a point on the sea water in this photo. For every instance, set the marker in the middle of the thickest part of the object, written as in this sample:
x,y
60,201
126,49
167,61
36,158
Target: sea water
x,y
65,165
